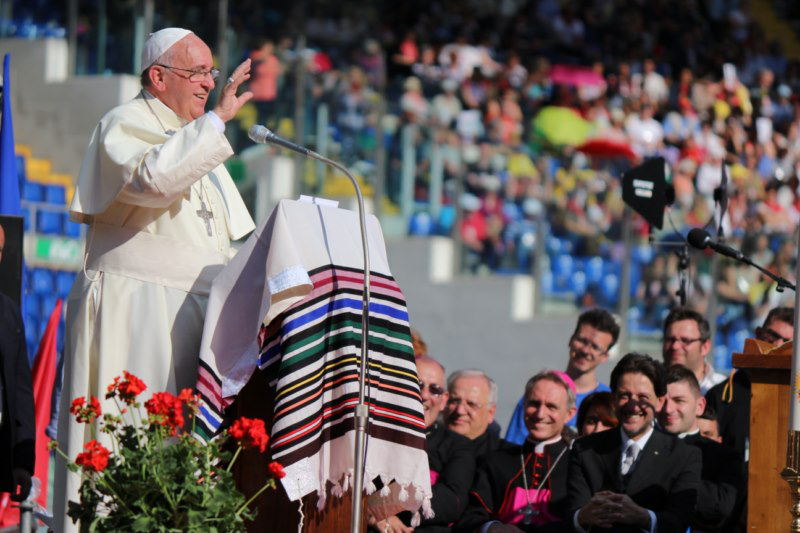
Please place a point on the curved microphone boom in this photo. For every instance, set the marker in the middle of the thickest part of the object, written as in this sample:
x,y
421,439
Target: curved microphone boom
x,y
262,135
700,239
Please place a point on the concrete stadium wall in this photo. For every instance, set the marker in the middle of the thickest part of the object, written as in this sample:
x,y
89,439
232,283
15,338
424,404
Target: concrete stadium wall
x,y
53,112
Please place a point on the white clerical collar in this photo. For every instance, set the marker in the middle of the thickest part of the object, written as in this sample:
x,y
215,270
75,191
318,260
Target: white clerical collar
x,y
641,442
694,431
539,446
169,119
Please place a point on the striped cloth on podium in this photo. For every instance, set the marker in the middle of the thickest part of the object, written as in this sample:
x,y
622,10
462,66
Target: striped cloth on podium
x,y
310,353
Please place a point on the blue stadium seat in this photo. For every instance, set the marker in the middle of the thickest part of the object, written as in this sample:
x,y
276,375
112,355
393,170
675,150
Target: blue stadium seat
x,y
722,358
609,289
32,304
55,194
562,266
594,270
71,229
47,306
26,219
41,281
32,192
577,283
421,223
64,281
553,245
21,174
547,282
48,222
60,336
447,217
31,330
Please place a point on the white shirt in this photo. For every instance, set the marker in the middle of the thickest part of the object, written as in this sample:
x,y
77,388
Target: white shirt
x,y
710,378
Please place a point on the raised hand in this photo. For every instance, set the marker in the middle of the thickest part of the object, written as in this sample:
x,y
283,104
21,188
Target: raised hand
x,y
229,103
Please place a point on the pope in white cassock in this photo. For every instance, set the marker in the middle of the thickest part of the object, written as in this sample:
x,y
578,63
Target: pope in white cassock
x,y
162,211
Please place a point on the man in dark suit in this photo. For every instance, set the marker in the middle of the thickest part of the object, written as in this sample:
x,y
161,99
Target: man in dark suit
x,y
637,478
17,422
721,476
470,409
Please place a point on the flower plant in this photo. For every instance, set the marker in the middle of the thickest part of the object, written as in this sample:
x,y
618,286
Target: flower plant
x,y
158,476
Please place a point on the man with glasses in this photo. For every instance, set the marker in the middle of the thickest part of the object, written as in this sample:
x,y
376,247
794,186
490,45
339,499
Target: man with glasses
x,y
470,409
162,211
450,458
687,342
595,334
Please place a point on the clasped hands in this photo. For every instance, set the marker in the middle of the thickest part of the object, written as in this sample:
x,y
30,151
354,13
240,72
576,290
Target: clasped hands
x,y
607,508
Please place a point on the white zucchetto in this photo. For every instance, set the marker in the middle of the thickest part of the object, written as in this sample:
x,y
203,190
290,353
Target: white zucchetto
x,y
159,42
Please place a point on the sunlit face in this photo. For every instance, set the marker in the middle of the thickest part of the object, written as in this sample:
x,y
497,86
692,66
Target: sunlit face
x,y
469,411
185,97
636,403
588,348
681,408
593,423
432,391
546,410
683,346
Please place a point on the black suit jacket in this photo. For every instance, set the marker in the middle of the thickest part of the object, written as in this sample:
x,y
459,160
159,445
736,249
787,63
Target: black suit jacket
x,y
18,426
451,456
721,482
665,479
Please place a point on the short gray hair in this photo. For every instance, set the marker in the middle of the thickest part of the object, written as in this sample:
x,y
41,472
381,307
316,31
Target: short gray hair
x,y
554,377
474,373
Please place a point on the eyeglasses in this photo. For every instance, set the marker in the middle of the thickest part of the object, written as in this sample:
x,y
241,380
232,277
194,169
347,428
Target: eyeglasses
x,y
770,335
682,340
195,75
453,403
433,388
590,345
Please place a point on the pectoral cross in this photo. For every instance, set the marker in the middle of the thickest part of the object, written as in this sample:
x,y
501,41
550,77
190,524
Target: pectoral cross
x,y
205,214
528,512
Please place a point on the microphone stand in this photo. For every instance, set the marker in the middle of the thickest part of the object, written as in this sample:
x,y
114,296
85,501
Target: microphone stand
x,y
361,409
262,135
783,283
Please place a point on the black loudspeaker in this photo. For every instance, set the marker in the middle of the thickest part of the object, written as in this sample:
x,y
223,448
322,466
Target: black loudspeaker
x,y
11,257
645,190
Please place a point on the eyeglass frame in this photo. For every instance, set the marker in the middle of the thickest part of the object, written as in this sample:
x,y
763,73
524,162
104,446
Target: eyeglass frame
x,y
436,393
213,72
683,340
470,407
589,344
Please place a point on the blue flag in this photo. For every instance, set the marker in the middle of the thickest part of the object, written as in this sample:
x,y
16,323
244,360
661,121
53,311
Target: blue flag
x,y
9,182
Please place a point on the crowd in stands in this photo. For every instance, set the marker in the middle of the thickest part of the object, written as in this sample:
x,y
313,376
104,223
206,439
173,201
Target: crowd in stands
x,y
697,83
663,447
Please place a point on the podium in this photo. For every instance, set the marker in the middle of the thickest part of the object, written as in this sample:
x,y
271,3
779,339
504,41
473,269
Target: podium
x,y
769,497
274,510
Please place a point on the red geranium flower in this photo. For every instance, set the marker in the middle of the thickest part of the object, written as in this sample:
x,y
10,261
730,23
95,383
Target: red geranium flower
x,y
85,412
131,387
94,457
276,469
250,433
165,410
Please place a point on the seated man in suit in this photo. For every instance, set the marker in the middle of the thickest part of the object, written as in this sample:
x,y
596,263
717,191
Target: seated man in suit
x,y
522,488
635,478
721,476
470,409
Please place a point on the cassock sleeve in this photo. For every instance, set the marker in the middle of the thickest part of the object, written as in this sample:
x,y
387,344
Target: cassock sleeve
x,y
128,162
451,488
716,497
482,498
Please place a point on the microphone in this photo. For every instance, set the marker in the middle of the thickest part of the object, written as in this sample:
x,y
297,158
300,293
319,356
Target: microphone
x,y
700,239
262,135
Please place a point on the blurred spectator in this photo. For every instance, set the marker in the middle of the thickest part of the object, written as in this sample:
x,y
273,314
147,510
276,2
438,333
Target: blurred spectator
x,y
596,413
